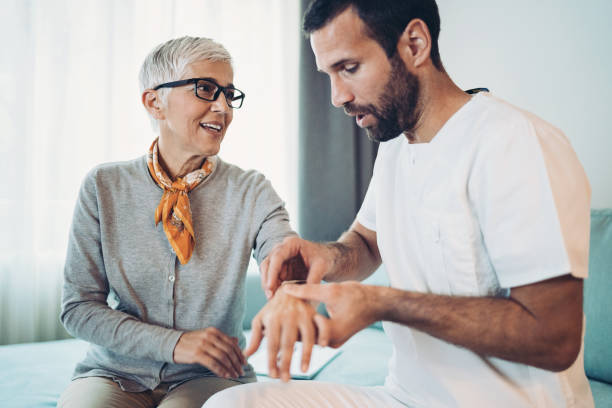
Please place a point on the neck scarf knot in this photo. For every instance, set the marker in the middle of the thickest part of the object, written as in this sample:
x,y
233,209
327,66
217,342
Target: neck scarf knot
x,y
174,210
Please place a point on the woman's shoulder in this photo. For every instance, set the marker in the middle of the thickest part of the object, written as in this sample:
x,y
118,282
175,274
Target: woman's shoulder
x,y
115,171
236,175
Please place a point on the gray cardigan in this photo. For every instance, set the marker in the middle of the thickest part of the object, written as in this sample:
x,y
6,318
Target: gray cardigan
x,y
117,256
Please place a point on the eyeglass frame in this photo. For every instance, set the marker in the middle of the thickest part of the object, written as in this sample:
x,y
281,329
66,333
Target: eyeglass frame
x,y
194,81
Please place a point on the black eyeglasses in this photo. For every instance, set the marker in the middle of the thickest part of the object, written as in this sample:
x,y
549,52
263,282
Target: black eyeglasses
x,y
209,90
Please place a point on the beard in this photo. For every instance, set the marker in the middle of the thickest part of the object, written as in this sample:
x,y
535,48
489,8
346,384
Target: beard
x,y
398,107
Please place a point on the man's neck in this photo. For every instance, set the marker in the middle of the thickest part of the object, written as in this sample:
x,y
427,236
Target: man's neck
x,y
440,100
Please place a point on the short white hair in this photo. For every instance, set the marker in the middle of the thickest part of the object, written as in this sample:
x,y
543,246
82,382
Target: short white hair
x,y
167,62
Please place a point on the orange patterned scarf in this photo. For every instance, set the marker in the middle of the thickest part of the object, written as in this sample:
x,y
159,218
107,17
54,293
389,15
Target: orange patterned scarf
x,y
174,210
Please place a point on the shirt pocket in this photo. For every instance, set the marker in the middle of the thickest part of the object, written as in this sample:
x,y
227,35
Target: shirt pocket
x,y
459,243
449,247
433,265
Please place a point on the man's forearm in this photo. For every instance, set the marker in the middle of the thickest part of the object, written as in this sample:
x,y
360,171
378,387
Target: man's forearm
x,y
496,327
354,258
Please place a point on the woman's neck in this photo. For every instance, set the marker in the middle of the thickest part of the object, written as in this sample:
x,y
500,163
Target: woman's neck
x,y
177,165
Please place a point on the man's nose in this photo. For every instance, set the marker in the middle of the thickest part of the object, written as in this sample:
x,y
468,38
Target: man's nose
x,y
340,94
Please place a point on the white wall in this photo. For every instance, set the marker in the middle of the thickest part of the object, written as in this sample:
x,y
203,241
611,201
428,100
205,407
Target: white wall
x,y
551,57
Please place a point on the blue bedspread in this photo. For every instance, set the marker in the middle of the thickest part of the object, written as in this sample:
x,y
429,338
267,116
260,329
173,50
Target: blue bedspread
x,y
34,374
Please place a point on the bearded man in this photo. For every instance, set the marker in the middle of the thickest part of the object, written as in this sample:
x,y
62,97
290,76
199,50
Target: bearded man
x,y
479,212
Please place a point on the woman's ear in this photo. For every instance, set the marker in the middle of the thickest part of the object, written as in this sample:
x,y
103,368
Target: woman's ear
x,y
414,45
152,103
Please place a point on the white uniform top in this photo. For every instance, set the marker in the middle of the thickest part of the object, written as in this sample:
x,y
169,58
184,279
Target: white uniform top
x,y
497,199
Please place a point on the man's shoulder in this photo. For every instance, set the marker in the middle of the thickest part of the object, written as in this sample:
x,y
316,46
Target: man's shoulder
x,y
496,120
495,112
499,112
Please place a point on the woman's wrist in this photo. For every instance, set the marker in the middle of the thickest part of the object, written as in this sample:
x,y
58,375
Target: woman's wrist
x,y
284,285
294,282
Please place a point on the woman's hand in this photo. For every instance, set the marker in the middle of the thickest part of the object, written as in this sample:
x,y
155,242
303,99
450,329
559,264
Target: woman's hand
x,y
212,349
285,320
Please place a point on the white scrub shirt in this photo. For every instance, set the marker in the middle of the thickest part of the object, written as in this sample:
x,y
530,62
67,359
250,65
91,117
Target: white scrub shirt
x,y
497,199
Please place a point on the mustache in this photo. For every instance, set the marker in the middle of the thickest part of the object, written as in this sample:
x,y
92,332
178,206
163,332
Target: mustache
x,y
352,109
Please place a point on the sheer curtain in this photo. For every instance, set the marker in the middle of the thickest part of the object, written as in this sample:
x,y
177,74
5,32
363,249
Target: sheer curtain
x,y
69,100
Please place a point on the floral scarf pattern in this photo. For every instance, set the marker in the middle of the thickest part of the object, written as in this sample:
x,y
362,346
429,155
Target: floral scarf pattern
x,y
174,210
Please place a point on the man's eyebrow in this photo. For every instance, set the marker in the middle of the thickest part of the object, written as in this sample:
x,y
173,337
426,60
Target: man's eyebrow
x,y
336,64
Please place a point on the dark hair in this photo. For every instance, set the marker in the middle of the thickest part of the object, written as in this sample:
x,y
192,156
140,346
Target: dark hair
x,y
385,20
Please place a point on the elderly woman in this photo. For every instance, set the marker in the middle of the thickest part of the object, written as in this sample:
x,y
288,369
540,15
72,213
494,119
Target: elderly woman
x,y
159,246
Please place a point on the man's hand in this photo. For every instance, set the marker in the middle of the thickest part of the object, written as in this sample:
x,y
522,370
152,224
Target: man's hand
x,y
295,258
285,320
212,349
351,307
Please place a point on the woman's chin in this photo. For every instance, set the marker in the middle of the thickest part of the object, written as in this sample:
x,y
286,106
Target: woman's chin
x,y
210,150
211,144
208,146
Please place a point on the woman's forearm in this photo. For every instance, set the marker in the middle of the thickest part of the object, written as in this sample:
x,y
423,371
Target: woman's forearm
x,y
97,323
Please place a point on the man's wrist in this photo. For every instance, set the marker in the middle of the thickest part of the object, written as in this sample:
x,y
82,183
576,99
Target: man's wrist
x,y
339,259
378,298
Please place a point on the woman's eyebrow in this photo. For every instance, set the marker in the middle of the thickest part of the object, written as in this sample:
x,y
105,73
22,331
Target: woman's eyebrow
x,y
230,85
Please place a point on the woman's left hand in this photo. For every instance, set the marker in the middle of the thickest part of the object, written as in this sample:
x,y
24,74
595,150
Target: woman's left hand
x,y
213,349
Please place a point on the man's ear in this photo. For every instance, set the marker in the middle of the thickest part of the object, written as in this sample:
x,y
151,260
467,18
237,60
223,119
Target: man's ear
x,y
414,45
153,104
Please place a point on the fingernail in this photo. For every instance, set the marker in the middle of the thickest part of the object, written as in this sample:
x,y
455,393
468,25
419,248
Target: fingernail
x,y
268,293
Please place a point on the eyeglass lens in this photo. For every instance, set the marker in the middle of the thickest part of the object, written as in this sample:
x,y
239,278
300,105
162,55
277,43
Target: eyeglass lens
x,y
207,90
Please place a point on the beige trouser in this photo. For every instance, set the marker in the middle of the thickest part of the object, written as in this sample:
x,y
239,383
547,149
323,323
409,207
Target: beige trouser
x,y
100,392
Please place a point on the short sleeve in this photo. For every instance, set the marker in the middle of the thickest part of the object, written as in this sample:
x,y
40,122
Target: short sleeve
x,y
524,223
